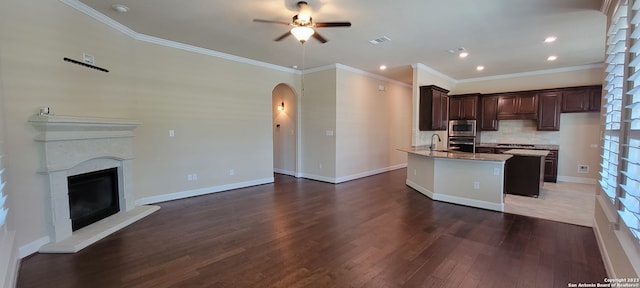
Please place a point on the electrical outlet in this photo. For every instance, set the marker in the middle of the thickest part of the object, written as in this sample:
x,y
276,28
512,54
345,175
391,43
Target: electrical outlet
x,y
195,177
496,171
583,168
172,133
320,165
231,172
415,172
476,185
189,177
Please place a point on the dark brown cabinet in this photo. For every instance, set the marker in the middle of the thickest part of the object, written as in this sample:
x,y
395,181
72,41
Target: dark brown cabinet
x,y
551,166
549,111
515,106
550,161
489,150
434,108
581,99
595,99
463,107
524,175
489,113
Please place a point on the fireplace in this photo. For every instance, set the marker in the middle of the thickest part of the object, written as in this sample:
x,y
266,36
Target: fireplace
x,y
73,151
93,196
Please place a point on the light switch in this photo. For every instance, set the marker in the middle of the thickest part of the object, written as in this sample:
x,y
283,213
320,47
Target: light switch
x,y
172,133
329,132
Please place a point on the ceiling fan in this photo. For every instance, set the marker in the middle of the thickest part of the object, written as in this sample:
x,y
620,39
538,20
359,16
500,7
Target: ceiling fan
x,y
303,25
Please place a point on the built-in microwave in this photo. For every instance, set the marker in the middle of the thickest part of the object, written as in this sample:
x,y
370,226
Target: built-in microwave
x,y
459,128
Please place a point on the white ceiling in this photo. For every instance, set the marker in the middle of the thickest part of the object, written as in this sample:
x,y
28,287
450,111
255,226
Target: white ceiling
x,y
505,36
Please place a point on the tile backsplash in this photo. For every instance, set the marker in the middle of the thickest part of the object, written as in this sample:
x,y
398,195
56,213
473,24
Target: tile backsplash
x,y
519,132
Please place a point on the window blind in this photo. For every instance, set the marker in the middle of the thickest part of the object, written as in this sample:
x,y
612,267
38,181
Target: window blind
x,y
630,173
3,197
614,85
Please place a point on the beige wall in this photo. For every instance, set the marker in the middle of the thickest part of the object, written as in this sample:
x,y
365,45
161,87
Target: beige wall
x,y
371,124
318,118
284,129
222,119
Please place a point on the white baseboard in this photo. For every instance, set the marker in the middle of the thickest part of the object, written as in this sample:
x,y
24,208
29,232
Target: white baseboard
x,y
201,191
351,177
608,266
581,180
32,247
285,172
9,260
456,200
370,173
317,177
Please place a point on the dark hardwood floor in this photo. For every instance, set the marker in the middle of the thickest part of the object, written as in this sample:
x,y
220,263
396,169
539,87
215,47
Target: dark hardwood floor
x,y
370,232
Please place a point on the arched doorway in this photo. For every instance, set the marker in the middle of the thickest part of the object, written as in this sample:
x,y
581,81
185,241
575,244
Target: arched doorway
x,y
284,103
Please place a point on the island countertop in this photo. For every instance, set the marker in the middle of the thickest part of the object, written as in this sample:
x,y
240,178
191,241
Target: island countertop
x,y
527,152
456,155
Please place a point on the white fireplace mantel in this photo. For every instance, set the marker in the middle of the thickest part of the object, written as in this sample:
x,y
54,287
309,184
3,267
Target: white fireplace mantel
x,y
72,145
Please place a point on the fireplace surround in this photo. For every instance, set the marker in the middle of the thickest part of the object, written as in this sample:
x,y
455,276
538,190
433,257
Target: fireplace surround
x,y
70,146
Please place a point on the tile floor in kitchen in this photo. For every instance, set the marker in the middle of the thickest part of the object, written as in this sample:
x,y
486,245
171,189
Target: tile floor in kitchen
x,y
566,202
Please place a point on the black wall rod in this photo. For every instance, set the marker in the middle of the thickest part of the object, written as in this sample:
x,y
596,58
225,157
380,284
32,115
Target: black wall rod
x,y
85,64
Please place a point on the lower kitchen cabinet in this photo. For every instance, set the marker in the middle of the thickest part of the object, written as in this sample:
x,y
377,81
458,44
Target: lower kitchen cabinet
x,y
551,167
488,150
523,175
550,161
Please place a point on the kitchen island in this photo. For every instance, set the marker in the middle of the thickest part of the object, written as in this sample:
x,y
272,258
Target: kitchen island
x,y
525,172
471,179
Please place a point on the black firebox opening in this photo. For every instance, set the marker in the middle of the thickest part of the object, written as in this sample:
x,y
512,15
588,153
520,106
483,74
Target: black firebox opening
x,y
93,196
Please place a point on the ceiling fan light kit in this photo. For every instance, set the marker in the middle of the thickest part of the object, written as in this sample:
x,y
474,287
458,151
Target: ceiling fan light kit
x,y
303,25
302,33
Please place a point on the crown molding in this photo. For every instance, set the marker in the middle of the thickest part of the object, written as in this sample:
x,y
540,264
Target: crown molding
x,y
534,73
426,68
168,43
357,71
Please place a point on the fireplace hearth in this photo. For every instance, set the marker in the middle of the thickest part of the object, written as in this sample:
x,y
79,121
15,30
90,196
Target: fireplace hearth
x,y
72,148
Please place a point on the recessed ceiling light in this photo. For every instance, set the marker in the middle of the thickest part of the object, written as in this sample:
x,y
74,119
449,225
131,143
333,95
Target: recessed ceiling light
x,y
550,39
383,67
120,8
463,54
552,58
480,68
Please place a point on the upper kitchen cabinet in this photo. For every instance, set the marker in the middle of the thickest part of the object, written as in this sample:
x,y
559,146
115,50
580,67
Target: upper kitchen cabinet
x,y
595,98
549,111
463,107
489,113
581,99
514,106
434,108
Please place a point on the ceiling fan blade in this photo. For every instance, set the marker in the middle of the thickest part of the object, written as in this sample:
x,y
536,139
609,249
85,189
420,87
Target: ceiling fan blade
x,y
271,21
333,24
319,37
282,36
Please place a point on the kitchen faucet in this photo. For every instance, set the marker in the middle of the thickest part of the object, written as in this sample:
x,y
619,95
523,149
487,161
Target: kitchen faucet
x,y
432,146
